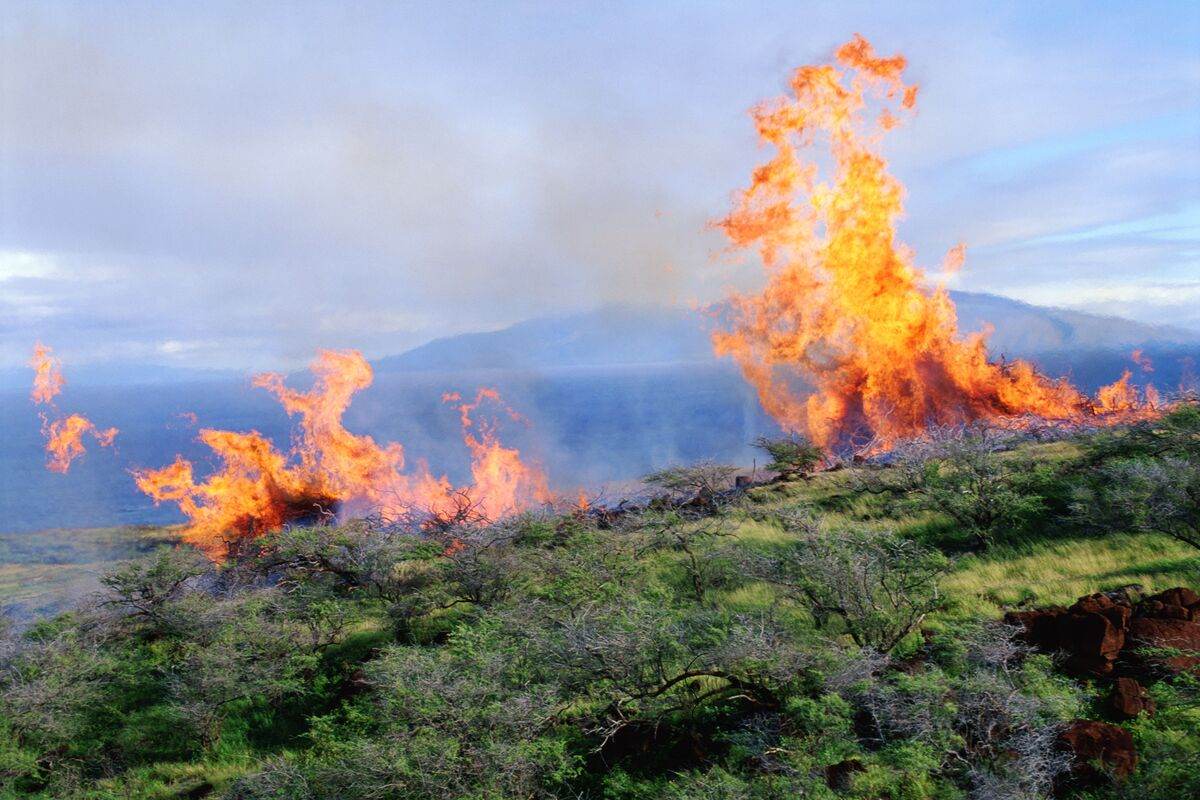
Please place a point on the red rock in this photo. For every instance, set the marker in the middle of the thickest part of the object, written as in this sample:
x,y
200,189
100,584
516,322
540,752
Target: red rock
x,y
1092,641
1099,750
1099,629
1179,596
1039,626
1129,698
1172,634
1104,605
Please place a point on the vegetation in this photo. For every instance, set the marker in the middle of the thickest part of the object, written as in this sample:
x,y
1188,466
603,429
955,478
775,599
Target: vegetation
x,y
833,635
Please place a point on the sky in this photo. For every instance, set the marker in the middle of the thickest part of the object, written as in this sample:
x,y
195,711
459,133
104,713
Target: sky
x,y
235,185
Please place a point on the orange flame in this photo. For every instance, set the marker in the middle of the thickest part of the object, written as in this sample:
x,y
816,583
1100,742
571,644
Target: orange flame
x,y
64,435
502,481
48,378
329,469
846,342
64,439
1142,360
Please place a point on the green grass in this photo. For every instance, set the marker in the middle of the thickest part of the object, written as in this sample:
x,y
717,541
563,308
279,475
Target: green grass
x,y
42,572
1059,572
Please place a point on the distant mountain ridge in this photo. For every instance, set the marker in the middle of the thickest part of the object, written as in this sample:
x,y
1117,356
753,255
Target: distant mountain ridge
x,y
642,335
633,335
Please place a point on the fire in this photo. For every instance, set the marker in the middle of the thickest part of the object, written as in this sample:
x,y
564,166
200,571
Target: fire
x,y
64,435
1142,360
64,439
330,470
48,378
502,481
846,342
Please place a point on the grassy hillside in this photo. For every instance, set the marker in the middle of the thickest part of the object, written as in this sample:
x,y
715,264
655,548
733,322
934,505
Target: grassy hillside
x,y
832,635
45,572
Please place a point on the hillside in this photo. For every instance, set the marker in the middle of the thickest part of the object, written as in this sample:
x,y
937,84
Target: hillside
x,y
829,634
648,335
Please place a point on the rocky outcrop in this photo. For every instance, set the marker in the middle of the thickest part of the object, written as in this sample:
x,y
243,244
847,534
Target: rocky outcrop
x,y
1099,752
1105,633
1129,699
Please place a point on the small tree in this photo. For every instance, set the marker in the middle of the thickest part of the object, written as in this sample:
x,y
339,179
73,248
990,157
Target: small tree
x,y
792,457
1147,478
703,486
963,476
879,584
1159,495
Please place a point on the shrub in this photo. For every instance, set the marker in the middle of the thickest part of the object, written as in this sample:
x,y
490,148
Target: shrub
x,y
879,584
792,457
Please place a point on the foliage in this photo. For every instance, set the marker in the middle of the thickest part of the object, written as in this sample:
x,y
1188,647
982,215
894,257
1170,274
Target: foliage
x,y
802,638
962,475
879,585
1146,479
792,457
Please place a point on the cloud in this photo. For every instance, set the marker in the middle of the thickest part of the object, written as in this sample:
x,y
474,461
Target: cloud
x,y
251,183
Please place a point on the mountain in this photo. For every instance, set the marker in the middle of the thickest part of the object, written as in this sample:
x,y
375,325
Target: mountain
x,y
627,335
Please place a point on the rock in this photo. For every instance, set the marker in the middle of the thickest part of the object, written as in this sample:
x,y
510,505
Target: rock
x,y
1099,630
1104,605
1169,634
1039,626
1179,596
1129,698
1092,641
1099,751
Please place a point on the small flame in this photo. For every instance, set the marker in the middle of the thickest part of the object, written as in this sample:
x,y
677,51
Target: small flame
x,y
48,378
329,469
64,439
847,342
502,481
1142,360
64,435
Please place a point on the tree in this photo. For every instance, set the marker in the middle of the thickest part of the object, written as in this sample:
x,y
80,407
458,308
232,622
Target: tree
x,y
1146,478
792,457
963,475
1159,495
879,584
704,486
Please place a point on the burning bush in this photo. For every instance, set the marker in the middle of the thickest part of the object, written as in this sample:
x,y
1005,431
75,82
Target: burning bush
x,y
330,470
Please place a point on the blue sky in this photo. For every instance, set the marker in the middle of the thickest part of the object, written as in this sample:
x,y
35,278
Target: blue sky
x,y
229,185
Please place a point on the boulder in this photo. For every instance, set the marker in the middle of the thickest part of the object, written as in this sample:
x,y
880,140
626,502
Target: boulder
x,y
1039,627
1129,698
1180,638
1099,752
1179,603
1104,605
1092,641
1100,632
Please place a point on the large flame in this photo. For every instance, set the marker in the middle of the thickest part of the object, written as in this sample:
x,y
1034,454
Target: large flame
x,y
64,435
331,470
846,342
